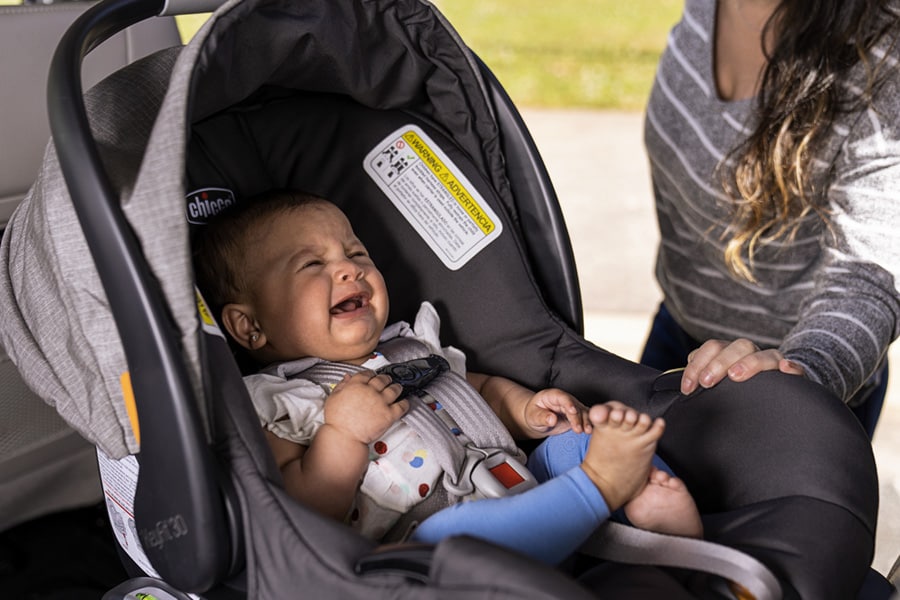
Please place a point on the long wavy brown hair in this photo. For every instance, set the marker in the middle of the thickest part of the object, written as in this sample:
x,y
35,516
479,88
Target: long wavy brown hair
x,y
816,44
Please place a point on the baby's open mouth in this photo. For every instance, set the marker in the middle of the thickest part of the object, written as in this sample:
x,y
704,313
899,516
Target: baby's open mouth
x,y
350,304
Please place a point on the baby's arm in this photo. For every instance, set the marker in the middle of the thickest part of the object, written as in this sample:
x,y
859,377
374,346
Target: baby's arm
x,y
738,360
326,474
528,414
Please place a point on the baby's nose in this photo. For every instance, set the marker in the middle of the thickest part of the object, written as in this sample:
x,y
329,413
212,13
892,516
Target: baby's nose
x,y
349,271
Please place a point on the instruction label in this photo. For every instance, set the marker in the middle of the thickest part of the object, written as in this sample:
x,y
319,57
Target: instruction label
x,y
433,195
119,478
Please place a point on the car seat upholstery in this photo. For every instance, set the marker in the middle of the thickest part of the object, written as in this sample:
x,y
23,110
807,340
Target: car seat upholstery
x,y
45,466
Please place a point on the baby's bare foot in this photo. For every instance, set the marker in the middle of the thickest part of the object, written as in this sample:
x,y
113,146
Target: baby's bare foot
x,y
665,506
619,456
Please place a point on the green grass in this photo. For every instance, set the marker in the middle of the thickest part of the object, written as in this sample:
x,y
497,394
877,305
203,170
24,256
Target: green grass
x,y
568,53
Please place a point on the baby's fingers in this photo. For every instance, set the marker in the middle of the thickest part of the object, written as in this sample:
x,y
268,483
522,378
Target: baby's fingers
x,y
342,383
383,384
399,408
586,420
550,420
578,419
557,401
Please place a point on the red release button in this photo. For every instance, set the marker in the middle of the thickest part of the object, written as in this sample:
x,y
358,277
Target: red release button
x,y
506,475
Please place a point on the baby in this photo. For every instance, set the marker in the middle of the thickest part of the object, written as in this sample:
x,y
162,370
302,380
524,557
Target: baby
x,y
291,282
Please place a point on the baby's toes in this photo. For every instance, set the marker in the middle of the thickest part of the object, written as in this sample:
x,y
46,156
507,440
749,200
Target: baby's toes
x,y
674,483
658,476
631,419
599,414
643,421
616,416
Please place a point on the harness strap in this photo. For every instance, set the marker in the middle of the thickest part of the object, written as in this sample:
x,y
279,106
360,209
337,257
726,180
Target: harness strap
x,y
447,450
748,577
446,447
477,422
474,417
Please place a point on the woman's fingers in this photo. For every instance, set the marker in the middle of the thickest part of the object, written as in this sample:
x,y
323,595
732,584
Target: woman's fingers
x,y
738,360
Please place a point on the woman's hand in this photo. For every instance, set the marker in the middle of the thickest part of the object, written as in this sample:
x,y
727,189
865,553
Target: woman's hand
x,y
738,360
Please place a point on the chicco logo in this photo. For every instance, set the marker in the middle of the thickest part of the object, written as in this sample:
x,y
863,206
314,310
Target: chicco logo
x,y
205,203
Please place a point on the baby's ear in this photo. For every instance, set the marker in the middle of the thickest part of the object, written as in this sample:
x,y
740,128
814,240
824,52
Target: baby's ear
x,y
238,320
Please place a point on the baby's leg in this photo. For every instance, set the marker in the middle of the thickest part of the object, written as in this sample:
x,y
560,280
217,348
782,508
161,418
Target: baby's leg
x,y
547,522
665,505
619,456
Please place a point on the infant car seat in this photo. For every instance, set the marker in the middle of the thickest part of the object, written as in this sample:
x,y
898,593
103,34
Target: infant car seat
x,y
279,93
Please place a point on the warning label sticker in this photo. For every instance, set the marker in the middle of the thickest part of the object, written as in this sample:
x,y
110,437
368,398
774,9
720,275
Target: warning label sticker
x,y
119,478
433,195
207,322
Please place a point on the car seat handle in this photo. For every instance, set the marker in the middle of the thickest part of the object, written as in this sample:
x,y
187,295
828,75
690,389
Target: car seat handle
x,y
178,475
187,7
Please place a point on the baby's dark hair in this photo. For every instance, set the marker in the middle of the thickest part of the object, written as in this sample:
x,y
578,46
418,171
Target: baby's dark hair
x,y
220,245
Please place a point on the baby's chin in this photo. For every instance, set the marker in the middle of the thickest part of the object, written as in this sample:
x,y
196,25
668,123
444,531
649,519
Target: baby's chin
x,y
352,355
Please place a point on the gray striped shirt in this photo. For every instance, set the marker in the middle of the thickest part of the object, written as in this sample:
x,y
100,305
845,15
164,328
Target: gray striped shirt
x,y
828,300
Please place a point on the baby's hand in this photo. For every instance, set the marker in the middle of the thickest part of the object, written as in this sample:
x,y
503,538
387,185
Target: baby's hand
x,y
553,411
738,360
364,406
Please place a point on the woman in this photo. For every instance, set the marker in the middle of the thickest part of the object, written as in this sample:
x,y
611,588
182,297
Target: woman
x,y
773,132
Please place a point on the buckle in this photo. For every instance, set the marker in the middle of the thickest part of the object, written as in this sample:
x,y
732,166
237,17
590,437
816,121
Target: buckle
x,y
414,375
490,473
